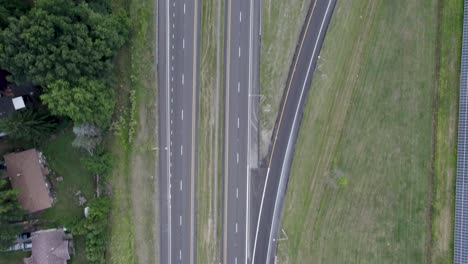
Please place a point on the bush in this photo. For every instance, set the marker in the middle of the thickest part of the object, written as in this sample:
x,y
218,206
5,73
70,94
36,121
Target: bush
x,y
100,163
94,228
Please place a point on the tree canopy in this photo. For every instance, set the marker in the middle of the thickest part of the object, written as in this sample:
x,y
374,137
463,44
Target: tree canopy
x,y
10,214
61,40
11,8
29,126
89,101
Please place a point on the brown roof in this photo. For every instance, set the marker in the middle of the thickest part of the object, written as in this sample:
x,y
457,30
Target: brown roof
x,y
48,247
27,174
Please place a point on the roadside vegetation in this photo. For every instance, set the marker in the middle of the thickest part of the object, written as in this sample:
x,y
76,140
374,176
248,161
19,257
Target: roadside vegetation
x,y
134,234
367,123
445,162
281,25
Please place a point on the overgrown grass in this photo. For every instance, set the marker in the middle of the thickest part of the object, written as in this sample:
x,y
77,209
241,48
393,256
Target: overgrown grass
x,y
367,119
79,244
133,235
207,227
15,257
451,22
281,24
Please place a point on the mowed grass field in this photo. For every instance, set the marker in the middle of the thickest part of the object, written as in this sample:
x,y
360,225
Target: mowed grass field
x,y
360,183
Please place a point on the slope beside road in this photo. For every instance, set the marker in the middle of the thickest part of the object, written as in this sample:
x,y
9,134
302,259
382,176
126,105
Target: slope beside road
x,y
286,129
178,38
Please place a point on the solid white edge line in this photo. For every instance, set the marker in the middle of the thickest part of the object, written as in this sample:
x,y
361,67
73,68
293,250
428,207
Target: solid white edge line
x,y
247,215
168,132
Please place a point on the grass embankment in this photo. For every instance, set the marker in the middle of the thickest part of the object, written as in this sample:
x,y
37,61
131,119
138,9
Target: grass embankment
x,y
208,218
368,119
451,21
281,25
133,222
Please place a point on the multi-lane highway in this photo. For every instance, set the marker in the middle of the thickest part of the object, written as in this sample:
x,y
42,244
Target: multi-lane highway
x,y
241,41
286,129
178,69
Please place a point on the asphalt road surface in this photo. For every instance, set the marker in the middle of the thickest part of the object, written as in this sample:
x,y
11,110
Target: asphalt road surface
x,y
241,41
178,69
286,130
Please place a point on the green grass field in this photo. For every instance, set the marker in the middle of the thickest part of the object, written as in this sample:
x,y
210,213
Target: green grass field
x,y
65,161
368,119
446,130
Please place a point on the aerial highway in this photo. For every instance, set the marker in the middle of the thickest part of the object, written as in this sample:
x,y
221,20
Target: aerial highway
x,y
286,130
178,69
241,43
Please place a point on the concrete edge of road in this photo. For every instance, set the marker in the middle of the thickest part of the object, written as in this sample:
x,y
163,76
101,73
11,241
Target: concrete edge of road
x,y
227,46
195,122
157,205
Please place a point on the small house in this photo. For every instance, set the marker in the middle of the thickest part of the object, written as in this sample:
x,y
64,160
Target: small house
x,y
27,173
51,246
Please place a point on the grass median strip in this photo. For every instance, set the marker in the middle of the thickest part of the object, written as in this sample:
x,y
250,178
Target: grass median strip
x,y
358,191
208,218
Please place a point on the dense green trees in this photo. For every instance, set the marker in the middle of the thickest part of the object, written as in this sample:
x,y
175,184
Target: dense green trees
x,y
11,8
10,214
87,101
66,47
28,126
60,40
